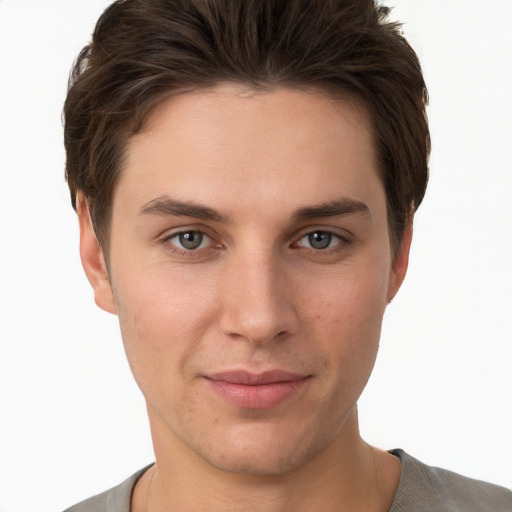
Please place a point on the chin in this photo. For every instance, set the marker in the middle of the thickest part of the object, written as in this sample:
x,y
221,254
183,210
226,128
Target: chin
x,y
260,464
263,452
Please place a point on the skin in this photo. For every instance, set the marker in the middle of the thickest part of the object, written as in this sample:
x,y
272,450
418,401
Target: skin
x,y
255,295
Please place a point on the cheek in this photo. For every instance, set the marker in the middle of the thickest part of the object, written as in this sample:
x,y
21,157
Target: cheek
x,y
347,322
162,319
156,303
352,300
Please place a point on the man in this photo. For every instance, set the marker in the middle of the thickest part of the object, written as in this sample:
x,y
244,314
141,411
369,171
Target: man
x,y
245,176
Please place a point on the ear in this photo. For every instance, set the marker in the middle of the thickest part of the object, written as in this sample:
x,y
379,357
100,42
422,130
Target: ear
x,y
400,263
93,259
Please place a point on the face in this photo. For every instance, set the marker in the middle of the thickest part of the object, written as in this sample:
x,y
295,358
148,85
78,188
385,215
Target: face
x,y
250,268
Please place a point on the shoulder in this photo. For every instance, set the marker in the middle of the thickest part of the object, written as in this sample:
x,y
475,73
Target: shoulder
x,y
116,499
424,487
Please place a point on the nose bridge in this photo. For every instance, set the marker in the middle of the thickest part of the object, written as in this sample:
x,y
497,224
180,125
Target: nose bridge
x,y
257,304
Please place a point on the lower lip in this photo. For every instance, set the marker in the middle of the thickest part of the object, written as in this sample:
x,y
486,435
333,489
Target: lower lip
x,y
263,396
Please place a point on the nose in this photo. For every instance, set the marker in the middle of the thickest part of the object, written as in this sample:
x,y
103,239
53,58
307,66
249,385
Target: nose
x,y
257,298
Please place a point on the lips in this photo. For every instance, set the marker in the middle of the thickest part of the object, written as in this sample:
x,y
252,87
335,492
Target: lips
x,y
257,391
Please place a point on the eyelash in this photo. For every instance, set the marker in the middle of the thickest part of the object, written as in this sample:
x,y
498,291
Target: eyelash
x,y
342,241
175,249
198,252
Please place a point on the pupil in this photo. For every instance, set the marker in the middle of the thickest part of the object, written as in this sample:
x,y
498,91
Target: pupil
x,y
320,240
191,239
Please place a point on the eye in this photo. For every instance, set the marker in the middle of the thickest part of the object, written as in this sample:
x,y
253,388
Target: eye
x,y
190,240
319,240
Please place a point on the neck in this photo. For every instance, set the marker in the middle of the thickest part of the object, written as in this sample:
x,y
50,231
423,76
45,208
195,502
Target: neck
x,y
348,475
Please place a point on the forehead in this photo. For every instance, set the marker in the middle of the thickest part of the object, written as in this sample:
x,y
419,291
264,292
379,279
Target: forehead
x,y
285,145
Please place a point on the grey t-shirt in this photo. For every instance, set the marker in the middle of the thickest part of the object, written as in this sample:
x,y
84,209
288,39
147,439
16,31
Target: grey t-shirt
x,y
421,489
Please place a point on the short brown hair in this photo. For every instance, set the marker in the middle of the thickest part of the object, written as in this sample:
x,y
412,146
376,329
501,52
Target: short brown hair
x,y
145,50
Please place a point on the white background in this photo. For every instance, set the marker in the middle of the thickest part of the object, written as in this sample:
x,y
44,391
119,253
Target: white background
x,y
72,422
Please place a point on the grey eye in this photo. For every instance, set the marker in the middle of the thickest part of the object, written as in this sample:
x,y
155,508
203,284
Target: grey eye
x,y
319,239
190,239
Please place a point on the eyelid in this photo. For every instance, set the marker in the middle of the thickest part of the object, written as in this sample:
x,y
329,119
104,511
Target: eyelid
x,y
340,233
344,236
172,232
205,240
166,237
341,237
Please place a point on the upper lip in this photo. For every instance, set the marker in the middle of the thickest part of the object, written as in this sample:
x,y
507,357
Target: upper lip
x,y
249,378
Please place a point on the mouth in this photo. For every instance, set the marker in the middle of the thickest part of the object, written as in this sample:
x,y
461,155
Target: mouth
x,y
249,390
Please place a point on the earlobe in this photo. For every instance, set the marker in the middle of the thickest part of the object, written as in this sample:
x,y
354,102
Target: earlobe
x,y
93,260
400,263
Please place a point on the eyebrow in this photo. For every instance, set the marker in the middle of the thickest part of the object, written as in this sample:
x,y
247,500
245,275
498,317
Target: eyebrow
x,y
165,206
334,208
